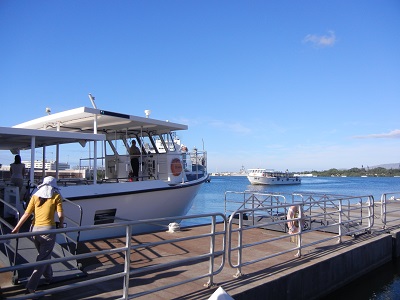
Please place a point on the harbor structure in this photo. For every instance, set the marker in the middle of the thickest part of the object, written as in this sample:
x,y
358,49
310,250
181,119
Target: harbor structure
x,y
249,258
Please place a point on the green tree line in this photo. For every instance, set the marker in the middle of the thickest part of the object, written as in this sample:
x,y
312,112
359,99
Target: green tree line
x,y
358,172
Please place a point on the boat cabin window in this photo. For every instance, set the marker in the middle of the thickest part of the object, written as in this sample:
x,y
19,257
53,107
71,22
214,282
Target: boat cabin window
x,y
147,144
115,146
169,142
164,143
160,145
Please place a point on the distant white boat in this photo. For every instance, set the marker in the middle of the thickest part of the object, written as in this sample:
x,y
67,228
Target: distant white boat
x,y
271,177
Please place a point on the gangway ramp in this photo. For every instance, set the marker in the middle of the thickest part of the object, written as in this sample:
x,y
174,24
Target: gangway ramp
x,y
23,251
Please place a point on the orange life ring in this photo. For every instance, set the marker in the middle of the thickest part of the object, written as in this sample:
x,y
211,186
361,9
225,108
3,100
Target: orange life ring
x,y
176,167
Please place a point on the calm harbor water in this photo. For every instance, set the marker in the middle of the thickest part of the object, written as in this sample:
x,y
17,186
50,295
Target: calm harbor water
x,y
383,283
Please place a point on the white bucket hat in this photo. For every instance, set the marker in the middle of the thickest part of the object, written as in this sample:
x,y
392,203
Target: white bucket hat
x,y
47,188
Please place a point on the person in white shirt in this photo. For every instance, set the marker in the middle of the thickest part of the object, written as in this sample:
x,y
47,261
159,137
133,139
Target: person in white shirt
x,y
17,170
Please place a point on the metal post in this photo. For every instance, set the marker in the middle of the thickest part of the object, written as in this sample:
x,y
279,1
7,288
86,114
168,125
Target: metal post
x,y
127,261
383,210
240,244
212,249
340,221
299,234
32,171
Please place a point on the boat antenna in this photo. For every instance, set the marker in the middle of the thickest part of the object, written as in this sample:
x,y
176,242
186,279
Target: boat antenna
x,y
147,112
92,100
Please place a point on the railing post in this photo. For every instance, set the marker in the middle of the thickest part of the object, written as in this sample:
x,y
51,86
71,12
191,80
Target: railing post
x,y
212,249
340,222
371,212
239,246
300,235
127,261
383,210
325,221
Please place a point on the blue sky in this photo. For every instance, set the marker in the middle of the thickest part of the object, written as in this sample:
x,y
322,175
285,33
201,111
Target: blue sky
x,y
298,85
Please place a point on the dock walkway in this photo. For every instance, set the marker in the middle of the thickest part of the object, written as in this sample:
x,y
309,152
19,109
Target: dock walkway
x,y
269,267
282,277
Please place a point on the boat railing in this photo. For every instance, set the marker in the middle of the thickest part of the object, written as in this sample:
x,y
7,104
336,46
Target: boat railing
x,y
151,166
76,222
392,200
5,228
90,163
350,220
194,164
208,263
72,181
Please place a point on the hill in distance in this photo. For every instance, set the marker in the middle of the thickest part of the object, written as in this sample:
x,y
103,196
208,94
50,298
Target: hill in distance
x,y
387,166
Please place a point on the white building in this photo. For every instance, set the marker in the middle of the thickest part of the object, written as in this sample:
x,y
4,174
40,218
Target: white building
x,y
49,165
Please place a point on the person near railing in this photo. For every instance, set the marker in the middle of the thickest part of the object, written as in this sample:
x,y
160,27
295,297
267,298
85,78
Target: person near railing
x,y
45,202
293,225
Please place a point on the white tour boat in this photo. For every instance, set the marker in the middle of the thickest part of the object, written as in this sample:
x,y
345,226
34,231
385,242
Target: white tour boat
x,y
168,180
271,177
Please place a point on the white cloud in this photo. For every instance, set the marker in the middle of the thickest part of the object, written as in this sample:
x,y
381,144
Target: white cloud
x,y
391,135
321,41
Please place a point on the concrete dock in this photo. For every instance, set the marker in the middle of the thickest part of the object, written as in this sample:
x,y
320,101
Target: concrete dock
x,y
269,267
319,271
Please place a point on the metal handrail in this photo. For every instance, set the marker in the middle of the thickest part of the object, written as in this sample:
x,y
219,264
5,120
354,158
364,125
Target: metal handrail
x,y
334,211
252,200
126,250
210,256
76,223
353,205
343,212
384,201
6,242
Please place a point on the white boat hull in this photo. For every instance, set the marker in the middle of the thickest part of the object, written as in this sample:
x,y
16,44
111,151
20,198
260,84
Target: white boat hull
x,y
274,180
131,201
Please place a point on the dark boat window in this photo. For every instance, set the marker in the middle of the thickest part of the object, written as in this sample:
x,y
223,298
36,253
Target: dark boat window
x,y
104,216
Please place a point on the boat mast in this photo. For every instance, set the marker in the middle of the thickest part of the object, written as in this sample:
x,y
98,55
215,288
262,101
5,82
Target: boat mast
x,y
95,143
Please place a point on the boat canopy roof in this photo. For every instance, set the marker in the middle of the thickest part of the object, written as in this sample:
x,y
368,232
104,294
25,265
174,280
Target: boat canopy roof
x,y
92,120
15,139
